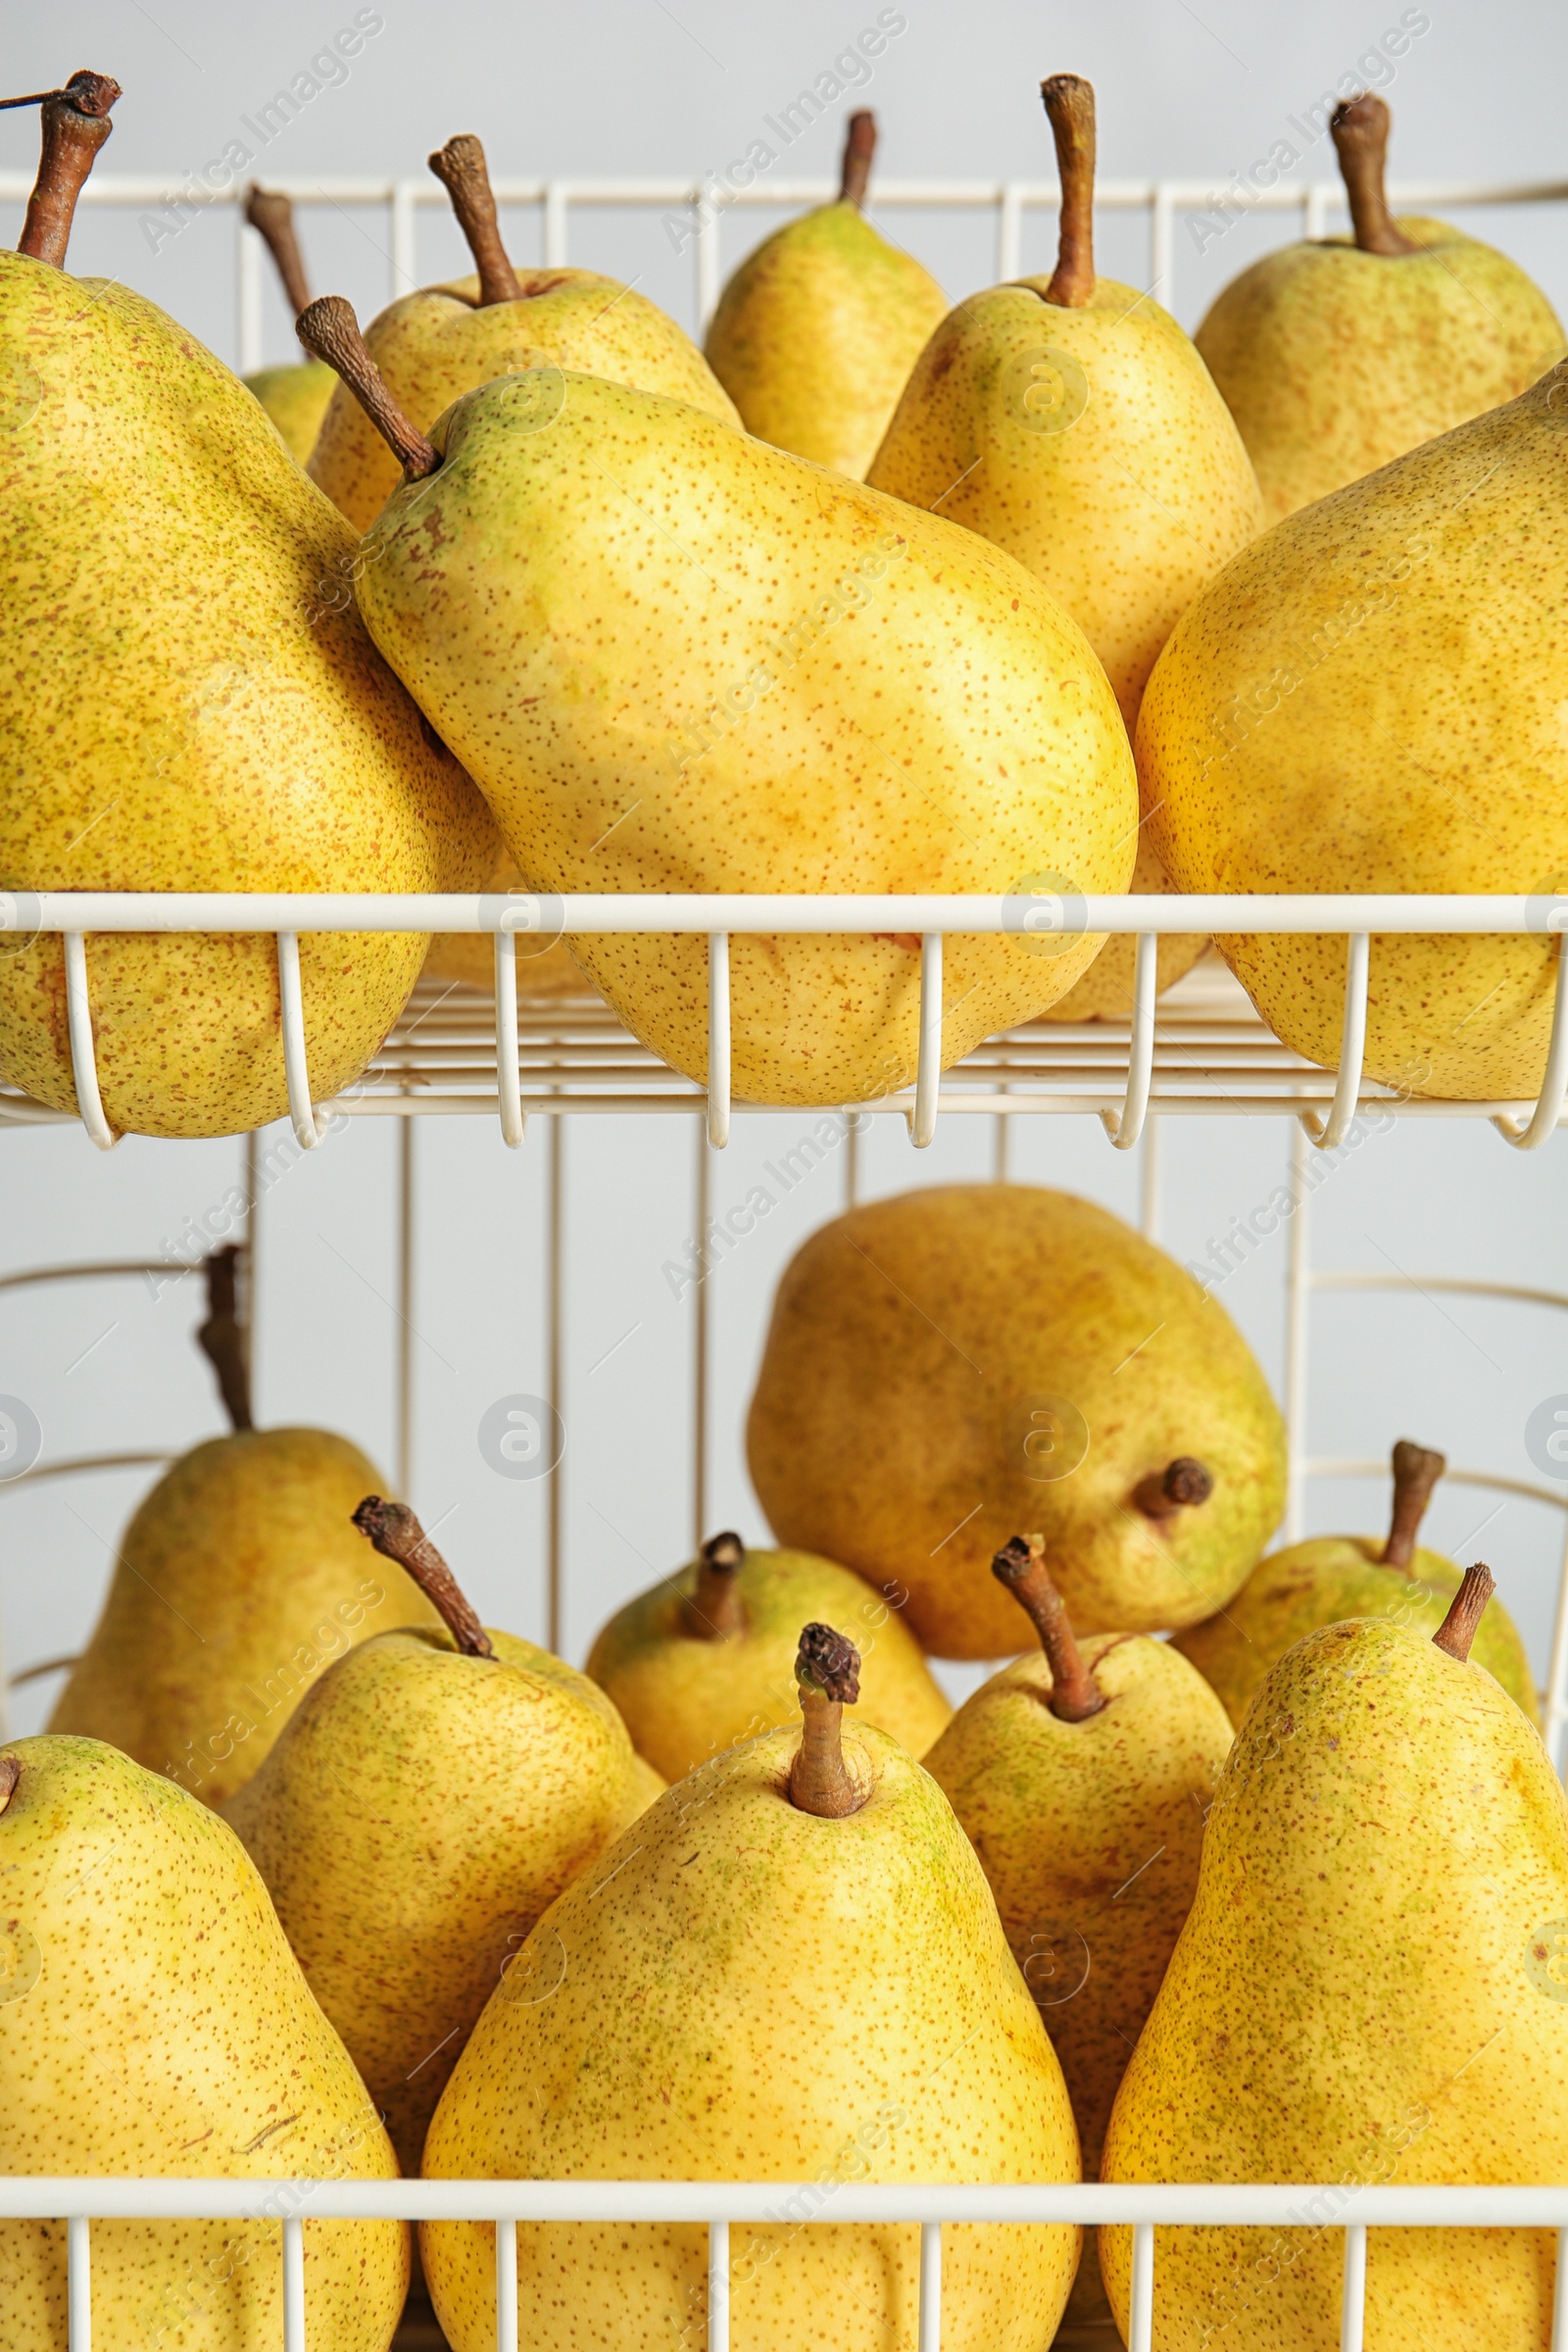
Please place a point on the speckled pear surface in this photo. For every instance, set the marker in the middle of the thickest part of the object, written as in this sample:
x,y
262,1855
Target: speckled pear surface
x,y
419,1812
1370,698
950,1364
1370,1988
817,332
191,702
237,1582
433,346
295,398
1323,1581
154,2021
685,1699
678,659
1336,361
744,1991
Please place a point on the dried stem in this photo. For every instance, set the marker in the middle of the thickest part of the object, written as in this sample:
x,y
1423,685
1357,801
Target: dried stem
x,y
1458,1629
1020,1565
1416,1471
10,1775
1180,1486
329,329
75,125
1069,102
1360,133
398,1536
860,147
221,1338
273,218
460,167
827,1669
715,1611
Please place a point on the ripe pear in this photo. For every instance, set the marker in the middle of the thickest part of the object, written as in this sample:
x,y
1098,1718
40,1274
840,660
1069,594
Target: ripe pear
x,y
705,1659
1370,698
947,1364
1370,1988
546,971
295,398
155,2023
1338,355
1082,1777
236,1583
683,660
817,331
1329,1578
190,703
428,1799
771,1977
1070,421
441,342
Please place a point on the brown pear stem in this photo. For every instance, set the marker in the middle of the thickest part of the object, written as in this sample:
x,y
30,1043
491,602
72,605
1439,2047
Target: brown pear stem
x,y
460,167
1069,102
1359,128
827,1669
398,1536
273,218
1020,1565
860,149
329,329
1416,1471
1180,1486
1458,1629
10,1775
221,1338
715,1611
75,125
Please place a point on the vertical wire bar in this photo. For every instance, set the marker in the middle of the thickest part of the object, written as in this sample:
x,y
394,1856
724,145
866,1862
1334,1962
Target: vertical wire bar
x,y
1559,2298
84,1060
1161,245
708,281
505,2287
928,1070
1298,1336
1315,209
404,1456
509,1080
296,1070
78,2282
930,2339
1352,2300
1001,1144
1328,1133
718,1055
718,2287
1009,230
1557,1708
1149,1176
555,226
1124,1127
248,295
699,1345
403,240
293,2283
1141,2315
1543,1120
556,1229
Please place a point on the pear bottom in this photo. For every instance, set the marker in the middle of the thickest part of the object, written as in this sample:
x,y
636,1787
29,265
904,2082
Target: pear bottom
x,y
590,2289
1106,990
1088,2325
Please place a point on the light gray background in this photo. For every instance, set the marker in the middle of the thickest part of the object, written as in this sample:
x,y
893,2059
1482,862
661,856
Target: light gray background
x,y
639,87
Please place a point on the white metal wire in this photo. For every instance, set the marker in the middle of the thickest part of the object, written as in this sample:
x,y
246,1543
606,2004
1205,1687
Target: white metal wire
x,y
1559,2298
718,2287
1141,2300
508,1082
718,1047
930,2335
293,2283
506,2285
1555,1085
296,1071
84,1060
1328,1133
78,2282
928,1071
1124,1127
1353,2294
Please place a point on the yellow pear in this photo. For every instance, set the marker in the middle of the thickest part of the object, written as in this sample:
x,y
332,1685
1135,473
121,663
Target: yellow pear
x,y
190,703
155,2023
705,1659
544,970
1370,698
1328,1578
1082,1777
441,342
430,1798
236,1583
682,661
1369,1990
789,1969
817,331
295,398
1338,355
949,1364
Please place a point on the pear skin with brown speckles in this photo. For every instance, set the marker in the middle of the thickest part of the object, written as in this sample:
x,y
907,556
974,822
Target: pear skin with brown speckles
x,y
741,1990
155,2023
190,701
1371,1989
678,659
